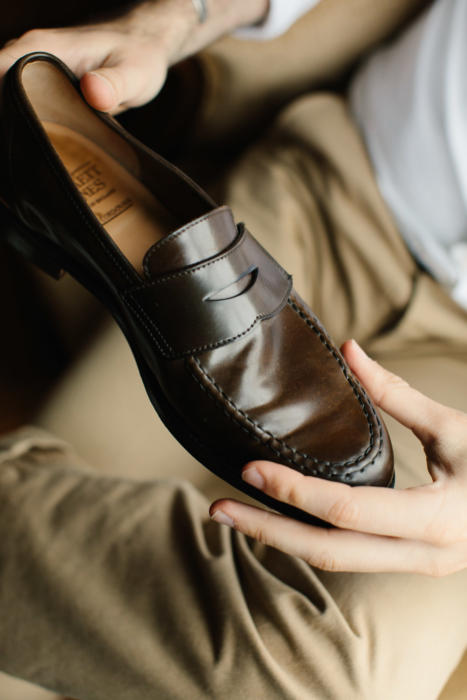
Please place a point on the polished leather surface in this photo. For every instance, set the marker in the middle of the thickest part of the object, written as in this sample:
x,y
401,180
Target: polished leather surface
x,y
215,301
236,363
197,242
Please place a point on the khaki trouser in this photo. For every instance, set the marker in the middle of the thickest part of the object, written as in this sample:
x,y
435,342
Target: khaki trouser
x,y
124,589
115,584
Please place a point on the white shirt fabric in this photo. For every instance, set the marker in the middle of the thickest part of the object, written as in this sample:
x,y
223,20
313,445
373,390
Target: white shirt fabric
x,y
410,101
282,14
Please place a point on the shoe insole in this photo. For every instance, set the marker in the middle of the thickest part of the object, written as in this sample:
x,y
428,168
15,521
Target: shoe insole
x,y
131,215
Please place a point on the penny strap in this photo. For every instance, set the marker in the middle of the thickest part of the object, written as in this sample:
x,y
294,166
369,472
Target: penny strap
x,y
214,302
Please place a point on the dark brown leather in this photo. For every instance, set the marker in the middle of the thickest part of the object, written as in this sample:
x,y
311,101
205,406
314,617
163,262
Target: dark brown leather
x,y
196,242
213,302
234,361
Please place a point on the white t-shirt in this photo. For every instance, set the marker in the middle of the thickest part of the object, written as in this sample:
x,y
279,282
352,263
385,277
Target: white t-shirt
x,y
282,14
410,101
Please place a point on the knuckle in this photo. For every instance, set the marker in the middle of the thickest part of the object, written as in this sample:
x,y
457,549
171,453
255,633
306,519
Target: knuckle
x,y
441,535
389,384
455,558
324,561
446,561
436,568
442,528
430,567
262,529
296,493
345,512
287,488
441,538
260,534
34,36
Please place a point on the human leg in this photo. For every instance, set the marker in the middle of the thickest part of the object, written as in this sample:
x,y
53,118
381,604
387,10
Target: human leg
x,y
397,306
425,336
373,635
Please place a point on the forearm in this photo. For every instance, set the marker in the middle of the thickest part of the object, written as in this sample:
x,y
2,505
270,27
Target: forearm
x,y
122,62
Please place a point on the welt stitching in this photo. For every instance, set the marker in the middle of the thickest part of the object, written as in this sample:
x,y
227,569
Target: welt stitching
x,y
358,390
227,340
64,184
325,341
284,446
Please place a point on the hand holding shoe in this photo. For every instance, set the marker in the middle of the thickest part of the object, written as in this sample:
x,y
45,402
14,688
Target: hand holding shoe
x,y
420,530
123,62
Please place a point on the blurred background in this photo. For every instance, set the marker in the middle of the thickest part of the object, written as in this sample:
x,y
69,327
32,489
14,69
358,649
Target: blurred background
x,y
46,326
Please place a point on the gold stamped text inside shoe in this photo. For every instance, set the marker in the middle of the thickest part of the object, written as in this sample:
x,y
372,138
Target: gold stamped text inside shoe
x,y
106,175
131,215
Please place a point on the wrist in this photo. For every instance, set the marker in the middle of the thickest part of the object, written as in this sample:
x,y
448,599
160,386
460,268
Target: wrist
x,y
256,12
176,25
224,16
169,22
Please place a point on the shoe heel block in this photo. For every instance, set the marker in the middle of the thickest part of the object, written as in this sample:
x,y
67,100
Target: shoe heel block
x,y
29,244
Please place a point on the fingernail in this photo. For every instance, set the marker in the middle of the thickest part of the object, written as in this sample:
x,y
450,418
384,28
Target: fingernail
x,y
102,77
253,477
220,517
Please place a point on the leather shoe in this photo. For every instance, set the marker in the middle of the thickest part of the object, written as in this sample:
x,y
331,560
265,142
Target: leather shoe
x,y
235,363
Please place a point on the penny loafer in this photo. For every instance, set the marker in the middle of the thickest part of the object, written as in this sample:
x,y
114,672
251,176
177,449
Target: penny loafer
x,y
235,363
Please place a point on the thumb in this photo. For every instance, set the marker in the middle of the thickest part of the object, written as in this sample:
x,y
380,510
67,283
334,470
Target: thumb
x,y
128,83
100,90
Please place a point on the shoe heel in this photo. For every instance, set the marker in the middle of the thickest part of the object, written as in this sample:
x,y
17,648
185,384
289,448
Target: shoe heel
x,y
30,245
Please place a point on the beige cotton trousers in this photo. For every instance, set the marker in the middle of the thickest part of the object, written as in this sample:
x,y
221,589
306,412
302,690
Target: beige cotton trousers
x,y
116,585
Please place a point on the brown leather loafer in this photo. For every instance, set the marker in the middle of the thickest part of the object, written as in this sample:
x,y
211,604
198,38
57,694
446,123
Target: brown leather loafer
x,y
235,363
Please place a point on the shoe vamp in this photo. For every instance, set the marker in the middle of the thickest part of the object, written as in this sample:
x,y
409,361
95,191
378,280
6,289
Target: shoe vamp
x,y
288,382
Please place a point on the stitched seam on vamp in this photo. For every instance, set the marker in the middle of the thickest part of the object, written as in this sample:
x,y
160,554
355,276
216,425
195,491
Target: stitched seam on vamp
x,y
355,388
256,426
65,186
293,461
